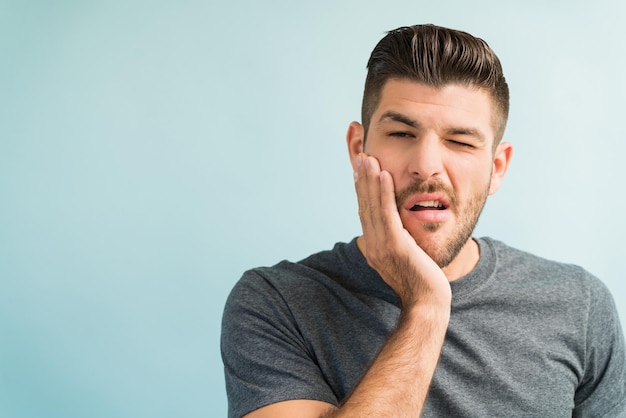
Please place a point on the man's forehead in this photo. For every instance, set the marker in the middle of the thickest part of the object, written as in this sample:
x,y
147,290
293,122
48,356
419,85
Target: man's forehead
x,y
416,91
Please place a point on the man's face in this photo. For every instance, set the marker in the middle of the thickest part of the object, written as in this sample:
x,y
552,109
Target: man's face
x,y
437,144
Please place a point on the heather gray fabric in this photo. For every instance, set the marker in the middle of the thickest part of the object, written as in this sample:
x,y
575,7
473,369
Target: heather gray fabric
x,y
527,337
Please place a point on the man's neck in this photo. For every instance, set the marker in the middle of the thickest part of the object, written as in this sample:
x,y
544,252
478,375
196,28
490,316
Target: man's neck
x,y
464,262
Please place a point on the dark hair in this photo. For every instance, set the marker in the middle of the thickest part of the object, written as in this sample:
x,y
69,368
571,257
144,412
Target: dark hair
x,y
436,56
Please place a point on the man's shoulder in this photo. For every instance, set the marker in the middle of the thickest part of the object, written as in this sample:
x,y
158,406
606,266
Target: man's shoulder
x,y
324,260
508,255
319,268
517,262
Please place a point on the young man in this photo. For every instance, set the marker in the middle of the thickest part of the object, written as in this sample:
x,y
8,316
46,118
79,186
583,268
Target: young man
x,y
415,317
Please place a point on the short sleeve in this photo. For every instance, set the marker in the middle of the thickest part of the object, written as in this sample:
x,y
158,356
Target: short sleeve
x,y
602,389
266,359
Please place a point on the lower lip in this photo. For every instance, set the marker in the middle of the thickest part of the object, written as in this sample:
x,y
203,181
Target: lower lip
x,y
429,216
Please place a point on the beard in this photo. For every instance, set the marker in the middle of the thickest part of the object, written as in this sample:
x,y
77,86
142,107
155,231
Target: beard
x,y
446,249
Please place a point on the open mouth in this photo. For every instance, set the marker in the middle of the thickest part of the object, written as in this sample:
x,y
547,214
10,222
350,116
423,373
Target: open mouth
x,y
427,205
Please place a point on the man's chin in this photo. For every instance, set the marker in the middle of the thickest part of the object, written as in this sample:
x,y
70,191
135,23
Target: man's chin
x,y
432,226
427,231
442,249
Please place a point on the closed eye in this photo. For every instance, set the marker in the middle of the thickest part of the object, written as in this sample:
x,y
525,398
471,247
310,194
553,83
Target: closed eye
x,y
460,144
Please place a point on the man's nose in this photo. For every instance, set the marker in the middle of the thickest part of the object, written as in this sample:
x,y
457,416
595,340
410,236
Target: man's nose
x,y
426,159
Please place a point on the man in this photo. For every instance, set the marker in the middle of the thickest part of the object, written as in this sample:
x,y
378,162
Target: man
x,y
415,317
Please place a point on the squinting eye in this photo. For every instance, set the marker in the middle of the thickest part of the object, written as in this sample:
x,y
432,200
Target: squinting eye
x,y
461,144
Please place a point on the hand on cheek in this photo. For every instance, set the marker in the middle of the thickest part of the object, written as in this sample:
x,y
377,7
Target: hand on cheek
x,y
376,197
388,246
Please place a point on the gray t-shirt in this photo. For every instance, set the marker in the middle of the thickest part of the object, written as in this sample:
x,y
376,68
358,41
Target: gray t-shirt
x,y
527,337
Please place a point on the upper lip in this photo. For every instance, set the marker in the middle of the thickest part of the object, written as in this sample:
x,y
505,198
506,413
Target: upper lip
x,y
427,197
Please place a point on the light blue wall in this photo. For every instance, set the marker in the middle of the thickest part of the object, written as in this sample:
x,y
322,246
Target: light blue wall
x,y
151,151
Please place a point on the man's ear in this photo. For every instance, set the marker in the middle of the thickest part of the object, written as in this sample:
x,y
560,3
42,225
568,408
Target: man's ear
x,y
354,138
501,159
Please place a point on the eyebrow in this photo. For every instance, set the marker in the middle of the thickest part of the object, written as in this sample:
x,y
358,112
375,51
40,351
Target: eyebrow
x,y
474,133
392,116
398,117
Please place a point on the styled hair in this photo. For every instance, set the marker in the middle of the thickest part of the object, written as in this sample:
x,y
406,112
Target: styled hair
x,y
436,56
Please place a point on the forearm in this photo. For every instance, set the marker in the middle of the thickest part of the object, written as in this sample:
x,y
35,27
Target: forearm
x,y
397,382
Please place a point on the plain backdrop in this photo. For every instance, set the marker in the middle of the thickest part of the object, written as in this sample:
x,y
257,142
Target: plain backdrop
x,y
152,151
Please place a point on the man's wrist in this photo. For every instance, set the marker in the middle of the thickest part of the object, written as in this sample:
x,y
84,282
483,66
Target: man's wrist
x,y
434,314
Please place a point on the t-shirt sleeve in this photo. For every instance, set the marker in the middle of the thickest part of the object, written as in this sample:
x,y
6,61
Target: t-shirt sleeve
x,y
266,360
602,389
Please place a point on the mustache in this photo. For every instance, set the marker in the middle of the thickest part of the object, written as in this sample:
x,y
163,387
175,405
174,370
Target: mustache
x,y
424,186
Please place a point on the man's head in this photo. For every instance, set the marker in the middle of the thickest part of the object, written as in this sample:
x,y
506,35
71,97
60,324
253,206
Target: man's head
x,y
434,112
436,56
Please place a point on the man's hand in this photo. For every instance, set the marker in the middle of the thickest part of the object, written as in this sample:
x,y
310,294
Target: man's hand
x,y
388,246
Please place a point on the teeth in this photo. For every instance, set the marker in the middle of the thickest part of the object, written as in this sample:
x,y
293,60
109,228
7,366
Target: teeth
x,y
430,204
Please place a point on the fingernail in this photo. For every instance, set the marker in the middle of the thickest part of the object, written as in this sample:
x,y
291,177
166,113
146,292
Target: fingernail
x,y
358,160
356,176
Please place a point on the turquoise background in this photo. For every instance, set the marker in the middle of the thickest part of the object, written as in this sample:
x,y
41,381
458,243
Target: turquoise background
x,y
151,151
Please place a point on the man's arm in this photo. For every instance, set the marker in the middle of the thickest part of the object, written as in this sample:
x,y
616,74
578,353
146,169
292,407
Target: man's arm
x,y
397,382
602,388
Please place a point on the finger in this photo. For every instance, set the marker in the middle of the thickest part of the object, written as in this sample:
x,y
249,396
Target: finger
x,y
372,173
368,195
360,184
389,208
397,237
